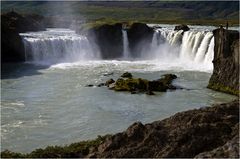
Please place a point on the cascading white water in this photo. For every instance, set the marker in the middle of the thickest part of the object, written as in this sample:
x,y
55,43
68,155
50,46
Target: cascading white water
x,y
210,52
63,45
126,52
57,45
202,50
195,46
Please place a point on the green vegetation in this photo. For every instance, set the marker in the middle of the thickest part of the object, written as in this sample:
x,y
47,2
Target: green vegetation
x,y
222,88
170,12
74,150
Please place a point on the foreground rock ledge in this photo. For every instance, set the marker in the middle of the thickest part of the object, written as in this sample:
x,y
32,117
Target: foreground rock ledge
x,y
205,132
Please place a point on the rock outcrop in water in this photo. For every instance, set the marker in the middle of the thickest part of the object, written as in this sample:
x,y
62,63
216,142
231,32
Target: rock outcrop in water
x,y
205,132
225,77
139,85
182,27
12,24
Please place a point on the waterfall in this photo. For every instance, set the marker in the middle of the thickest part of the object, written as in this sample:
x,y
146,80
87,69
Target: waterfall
x,y
210,52
126,52
57,45
193,46
201,52
64,45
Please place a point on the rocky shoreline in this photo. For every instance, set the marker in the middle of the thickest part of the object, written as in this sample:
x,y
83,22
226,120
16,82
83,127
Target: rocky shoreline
x,y
206,132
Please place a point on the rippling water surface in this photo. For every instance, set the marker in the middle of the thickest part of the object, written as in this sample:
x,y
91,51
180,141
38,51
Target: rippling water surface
x,y
43,106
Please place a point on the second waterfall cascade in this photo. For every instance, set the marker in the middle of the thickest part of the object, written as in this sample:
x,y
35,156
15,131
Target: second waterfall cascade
x,y
126,52
194,46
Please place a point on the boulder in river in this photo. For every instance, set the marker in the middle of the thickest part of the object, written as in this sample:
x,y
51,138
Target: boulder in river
x,y
108,82
182,27
126,75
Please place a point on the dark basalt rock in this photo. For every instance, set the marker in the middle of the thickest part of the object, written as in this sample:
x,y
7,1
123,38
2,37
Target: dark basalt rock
x,y
108,74
225,77
89,85
108,82
228,150
101,84
12,24
182,27
140,38
109,40
183,135
126,75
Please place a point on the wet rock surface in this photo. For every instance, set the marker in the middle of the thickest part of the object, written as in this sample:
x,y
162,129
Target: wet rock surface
x,y
182,27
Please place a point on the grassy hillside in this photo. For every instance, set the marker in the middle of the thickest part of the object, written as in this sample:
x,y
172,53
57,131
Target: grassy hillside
x,y
193,12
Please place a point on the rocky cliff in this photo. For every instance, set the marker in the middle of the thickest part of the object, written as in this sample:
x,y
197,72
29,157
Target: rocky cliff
x,y
12,23
225,77
109,39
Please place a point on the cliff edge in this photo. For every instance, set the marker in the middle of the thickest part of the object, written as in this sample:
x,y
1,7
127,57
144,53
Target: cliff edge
x,y
225,77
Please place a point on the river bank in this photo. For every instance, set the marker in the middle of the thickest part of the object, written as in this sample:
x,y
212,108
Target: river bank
x,y
193,133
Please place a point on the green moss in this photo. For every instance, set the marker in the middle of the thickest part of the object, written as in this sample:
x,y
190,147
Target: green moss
x,y
9,154
74,150
222,88
130,84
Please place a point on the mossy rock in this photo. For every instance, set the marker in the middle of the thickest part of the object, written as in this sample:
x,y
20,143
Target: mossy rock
x,y
222,88
131,84
126,75
143,85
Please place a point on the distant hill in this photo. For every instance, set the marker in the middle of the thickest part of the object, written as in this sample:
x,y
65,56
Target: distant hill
x,y
151,11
